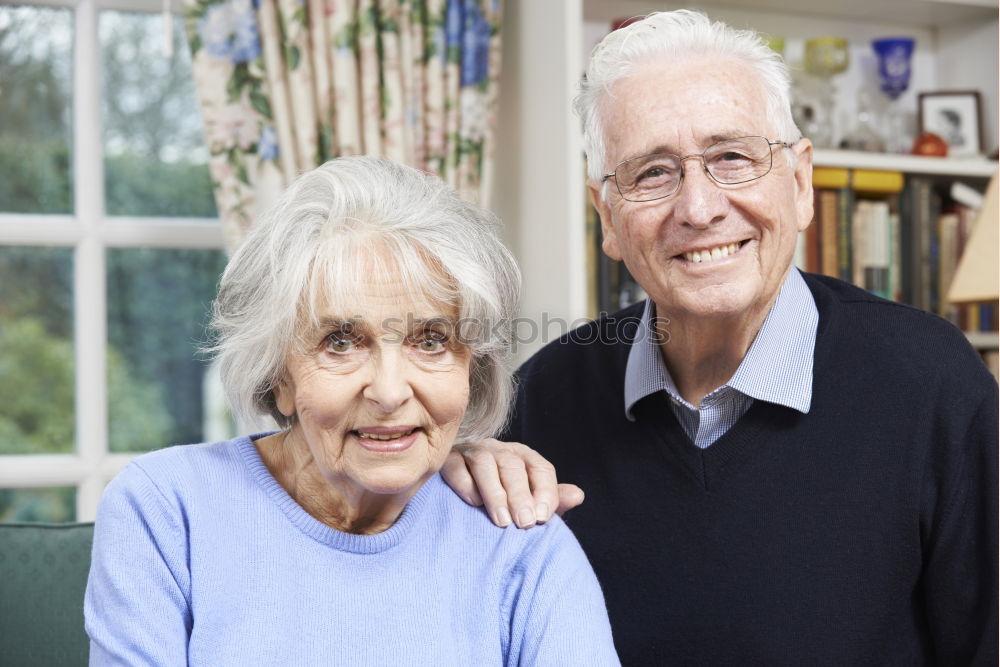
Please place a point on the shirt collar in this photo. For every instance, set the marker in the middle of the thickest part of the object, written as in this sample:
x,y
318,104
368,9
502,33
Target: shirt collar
x,y
778,367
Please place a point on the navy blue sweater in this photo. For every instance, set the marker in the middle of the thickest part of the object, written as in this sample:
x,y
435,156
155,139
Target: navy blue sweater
x,y
863,533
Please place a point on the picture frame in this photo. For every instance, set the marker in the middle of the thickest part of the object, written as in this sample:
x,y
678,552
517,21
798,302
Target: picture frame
x,y
955,116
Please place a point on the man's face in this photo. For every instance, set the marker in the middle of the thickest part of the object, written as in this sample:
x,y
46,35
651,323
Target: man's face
x,y
683,109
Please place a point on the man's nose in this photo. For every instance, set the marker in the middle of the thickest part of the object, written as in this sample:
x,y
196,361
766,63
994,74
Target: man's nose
x,y
389,384
700,202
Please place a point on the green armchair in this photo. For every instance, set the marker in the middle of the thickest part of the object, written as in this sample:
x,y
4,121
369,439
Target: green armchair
x,y
43,574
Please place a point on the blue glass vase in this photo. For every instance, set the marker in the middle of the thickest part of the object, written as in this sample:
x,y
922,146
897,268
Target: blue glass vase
x,y
894,55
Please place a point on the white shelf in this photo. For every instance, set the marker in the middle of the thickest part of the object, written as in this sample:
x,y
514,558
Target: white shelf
x,y
970,167
983,340
918,13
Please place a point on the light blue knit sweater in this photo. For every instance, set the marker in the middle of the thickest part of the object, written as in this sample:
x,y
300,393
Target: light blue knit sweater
x,y
201,558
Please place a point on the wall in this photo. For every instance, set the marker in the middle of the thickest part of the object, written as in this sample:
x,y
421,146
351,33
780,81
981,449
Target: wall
x,y
538,184
956,70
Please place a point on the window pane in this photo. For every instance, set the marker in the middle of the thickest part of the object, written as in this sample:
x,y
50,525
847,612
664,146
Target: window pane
x,y
158,306
36,70
155,162
53,504
36,350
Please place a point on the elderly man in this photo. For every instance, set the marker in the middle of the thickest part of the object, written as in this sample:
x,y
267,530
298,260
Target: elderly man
x,y
780,468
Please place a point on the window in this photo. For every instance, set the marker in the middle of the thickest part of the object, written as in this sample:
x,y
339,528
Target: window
x,y
110,251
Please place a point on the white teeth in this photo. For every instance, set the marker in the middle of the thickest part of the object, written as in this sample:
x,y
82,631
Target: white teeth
x,y
699,256
388,436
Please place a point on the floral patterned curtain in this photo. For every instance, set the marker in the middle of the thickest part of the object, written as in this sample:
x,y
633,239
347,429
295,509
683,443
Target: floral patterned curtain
x,y
287,84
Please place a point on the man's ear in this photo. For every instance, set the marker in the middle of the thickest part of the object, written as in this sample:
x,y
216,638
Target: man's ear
x,y
803,182
610,242
284,397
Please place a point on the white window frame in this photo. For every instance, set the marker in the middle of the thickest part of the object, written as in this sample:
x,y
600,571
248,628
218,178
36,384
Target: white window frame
x,y
90,231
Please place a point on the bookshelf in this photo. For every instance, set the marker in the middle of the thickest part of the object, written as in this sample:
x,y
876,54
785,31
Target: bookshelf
x,y
983,340
896,225
904,12
538,188
962,168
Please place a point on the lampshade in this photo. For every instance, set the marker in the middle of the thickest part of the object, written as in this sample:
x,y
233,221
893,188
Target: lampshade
x,y
977,277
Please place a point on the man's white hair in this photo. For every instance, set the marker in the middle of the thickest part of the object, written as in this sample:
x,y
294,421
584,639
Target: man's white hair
x,y
670,37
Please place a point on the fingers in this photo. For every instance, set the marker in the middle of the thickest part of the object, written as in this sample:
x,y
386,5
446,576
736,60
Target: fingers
x,y
513,481
458,477
482,459
570,495
514,476
544,486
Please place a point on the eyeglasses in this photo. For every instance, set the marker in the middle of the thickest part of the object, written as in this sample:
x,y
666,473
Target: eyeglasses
x,y
659,175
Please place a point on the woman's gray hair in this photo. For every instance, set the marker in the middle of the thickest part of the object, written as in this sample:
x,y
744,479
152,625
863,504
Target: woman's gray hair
x,y
328,232
669,37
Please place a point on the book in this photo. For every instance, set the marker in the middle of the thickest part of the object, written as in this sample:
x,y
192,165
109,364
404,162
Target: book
x,y
872,247
593,260
895,255
992,360
845,241
812,238
828,220
919,206
873,182
947,261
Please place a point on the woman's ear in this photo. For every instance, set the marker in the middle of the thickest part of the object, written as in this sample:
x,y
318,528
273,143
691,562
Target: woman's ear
x,y
284,397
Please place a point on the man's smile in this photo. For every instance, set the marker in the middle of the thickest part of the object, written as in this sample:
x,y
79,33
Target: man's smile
x,y
713,253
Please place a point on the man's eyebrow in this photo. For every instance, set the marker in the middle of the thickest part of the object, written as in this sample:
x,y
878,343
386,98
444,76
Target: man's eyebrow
x,y
731,134
662,148
712,139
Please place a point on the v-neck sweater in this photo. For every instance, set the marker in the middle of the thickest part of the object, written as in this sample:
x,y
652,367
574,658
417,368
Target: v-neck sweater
x,y
861,533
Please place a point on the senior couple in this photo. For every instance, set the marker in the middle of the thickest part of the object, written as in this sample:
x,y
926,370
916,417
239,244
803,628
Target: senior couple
x,y
795,473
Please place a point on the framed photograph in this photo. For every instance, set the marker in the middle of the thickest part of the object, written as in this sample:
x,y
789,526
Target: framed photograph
x,y
954,116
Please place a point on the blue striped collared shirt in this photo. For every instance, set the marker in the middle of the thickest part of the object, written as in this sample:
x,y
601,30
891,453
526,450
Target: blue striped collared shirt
x,y
778,368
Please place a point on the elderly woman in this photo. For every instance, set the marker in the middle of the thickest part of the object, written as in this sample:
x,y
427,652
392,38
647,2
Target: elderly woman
x,y
369,313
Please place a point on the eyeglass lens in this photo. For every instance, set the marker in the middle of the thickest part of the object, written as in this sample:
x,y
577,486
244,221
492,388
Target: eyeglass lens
x,y
728,162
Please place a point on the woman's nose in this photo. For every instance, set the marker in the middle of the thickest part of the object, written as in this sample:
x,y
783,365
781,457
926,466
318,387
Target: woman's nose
x,y
389,386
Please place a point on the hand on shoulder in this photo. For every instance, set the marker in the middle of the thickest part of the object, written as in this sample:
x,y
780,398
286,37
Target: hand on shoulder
x,y
513,481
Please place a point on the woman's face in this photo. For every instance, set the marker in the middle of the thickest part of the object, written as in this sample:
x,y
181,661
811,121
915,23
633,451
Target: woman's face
x,y
378,392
